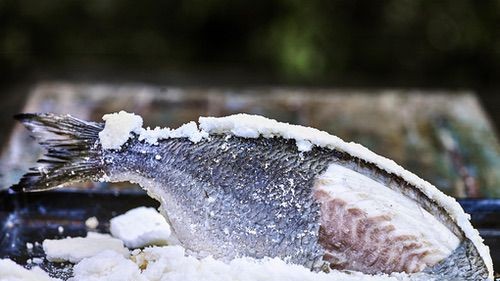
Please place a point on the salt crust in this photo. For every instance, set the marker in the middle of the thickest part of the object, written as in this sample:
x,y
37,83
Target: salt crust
x,y
10,271
78,248
140,227
253,126
170,263
118,128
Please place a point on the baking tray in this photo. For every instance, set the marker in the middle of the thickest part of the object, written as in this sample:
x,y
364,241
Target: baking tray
x,y
33,217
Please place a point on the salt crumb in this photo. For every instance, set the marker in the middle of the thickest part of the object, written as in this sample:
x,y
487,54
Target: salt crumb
x,y
37,260
92,223
304,145
29,246
78,248
172,263
118,128
158,157
107,265
10,271
60,229
140,227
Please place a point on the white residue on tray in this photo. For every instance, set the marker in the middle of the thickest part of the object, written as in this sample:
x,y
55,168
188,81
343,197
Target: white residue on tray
x,y
106,265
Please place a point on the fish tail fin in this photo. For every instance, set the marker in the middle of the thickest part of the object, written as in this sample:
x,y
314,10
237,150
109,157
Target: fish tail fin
x,y
73,151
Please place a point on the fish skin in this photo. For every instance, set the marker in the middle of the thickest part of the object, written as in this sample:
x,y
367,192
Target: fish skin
x,y
223,198
218,194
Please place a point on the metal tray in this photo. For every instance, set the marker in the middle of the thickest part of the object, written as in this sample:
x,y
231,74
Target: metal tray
x,y
33,217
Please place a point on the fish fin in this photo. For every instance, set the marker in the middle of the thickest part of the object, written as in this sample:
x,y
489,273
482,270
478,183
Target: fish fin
x,y
73,151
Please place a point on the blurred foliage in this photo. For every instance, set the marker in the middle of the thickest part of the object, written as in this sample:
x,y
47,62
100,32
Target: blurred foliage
x,y
452,42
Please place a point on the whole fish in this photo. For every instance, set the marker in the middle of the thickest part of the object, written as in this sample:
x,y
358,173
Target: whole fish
x,y
246,185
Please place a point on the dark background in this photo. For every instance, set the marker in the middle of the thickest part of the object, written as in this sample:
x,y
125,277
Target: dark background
x,y
452,44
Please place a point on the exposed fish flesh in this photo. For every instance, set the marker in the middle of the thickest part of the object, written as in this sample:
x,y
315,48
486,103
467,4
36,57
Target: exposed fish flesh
x,y
245,185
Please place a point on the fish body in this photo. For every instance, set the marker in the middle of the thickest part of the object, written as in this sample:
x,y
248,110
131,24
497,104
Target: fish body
x,y
241,191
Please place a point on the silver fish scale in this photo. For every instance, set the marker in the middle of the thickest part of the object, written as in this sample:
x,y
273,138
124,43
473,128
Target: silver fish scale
x,y
232,197
462,263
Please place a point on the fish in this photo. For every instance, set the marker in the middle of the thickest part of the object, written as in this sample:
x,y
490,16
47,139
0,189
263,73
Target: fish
x,y
245,185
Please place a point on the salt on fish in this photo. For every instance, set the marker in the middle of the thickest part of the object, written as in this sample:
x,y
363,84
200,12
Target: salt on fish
x,y
271,193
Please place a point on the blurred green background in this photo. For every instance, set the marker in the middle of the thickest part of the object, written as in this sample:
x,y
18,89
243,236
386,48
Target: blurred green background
x,y
399,43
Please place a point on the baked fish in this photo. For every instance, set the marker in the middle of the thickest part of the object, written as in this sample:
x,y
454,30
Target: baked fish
x,y
246,185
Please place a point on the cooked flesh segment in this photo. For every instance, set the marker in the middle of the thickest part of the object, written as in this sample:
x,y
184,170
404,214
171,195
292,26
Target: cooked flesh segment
x,y
369,227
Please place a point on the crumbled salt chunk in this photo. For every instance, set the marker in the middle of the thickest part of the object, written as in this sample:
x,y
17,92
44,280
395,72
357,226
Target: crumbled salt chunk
x,y
29,246
37,260
60,229
189,130
92,222
10,271
172,263
107,265
152,136
158,157
304,145
140,227
78,248
118,128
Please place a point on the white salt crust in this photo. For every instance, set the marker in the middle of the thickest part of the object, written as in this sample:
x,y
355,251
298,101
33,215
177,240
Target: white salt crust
x,y
253,126
118,128
92,222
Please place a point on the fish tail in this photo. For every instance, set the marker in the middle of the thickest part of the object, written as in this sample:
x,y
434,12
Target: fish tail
x,y
73,151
